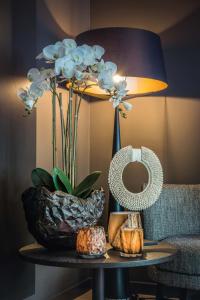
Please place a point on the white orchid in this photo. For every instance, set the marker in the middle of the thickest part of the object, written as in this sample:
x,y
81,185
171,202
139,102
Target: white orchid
x,y
119,92
45,85
36,75
58,50
65,66
40,56
77,56
106,75
79,75
40,80
33,75
88,55
121,88
36,90
29,96
80,63
127,105
22,94
47,73
115,101
28,99
68,69
110,66
53,52
29,103
98,51
120,84
100,66
59,64
106,66
105,80
69,45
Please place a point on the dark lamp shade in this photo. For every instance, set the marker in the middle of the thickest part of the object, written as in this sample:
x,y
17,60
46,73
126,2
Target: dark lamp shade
x,y
137,53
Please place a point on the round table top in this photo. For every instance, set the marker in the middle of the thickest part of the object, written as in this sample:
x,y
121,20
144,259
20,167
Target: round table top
x,y
152,255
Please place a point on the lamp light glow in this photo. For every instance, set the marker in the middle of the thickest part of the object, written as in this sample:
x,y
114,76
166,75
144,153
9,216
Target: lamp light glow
x,y
117,78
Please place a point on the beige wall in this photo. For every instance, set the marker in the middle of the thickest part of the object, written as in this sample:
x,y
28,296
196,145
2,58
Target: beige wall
x,y
155,15
167,125
72,16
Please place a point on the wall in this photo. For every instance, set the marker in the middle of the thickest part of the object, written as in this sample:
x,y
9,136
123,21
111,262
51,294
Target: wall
x,y
17,147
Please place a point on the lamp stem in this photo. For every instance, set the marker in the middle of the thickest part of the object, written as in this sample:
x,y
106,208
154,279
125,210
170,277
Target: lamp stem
x,y
116,283
113,204
116,133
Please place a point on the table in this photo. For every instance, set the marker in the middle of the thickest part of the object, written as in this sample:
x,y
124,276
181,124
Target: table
x,y
152,255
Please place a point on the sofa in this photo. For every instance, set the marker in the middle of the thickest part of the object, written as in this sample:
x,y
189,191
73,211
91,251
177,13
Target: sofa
x,y
175,218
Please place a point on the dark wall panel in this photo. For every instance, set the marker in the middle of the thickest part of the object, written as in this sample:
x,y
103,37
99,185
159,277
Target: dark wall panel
x,y
17,147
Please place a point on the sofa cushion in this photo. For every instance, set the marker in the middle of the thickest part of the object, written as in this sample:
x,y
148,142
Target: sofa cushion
x,y
176,212
187,260
169,278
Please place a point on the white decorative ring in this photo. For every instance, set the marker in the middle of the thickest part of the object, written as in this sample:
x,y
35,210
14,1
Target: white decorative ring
x,y
127,199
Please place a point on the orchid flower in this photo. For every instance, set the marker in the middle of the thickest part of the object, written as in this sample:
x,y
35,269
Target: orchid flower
x,y
78,64
28,99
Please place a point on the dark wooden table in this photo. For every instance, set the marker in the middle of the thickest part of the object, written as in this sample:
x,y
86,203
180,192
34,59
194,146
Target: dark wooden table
x,y
152,255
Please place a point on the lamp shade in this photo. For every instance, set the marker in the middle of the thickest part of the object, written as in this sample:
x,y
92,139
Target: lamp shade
x,y
137,53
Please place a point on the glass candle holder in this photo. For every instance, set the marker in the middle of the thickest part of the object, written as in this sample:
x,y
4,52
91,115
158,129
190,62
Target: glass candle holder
x,y
91,242
132,242
119,221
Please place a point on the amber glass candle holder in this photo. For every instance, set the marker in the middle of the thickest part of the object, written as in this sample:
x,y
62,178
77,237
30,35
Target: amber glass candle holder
x,y
91,242
132,242
125,233
119,221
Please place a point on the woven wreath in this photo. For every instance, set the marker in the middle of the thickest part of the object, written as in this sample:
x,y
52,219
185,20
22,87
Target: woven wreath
x,y
127,199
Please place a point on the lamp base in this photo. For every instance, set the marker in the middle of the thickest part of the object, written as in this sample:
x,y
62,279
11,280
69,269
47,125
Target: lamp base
x,y
117,284
117,280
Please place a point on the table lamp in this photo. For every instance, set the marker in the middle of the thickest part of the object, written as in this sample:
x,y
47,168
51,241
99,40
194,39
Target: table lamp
x,y
139,58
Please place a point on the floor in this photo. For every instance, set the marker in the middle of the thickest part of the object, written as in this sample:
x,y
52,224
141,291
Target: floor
x,y
88,296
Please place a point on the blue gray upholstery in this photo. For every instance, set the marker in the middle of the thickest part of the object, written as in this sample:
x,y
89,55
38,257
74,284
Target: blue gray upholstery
x,y
175,218
174,279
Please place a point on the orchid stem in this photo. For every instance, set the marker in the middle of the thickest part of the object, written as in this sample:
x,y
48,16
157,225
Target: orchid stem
x,y
76,115
54,123
62,124
70,135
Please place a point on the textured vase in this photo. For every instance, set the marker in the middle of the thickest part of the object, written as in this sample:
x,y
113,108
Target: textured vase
x,y
54,218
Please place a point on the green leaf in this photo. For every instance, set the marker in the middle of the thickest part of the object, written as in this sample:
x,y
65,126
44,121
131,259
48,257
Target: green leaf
x,y
41,177
60,180
85,194
87,183
58,184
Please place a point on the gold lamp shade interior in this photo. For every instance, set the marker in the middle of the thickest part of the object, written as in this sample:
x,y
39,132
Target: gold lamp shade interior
x,y
136,86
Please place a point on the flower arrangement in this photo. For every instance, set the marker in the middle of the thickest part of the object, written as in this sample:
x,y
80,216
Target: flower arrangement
x,y
80,67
